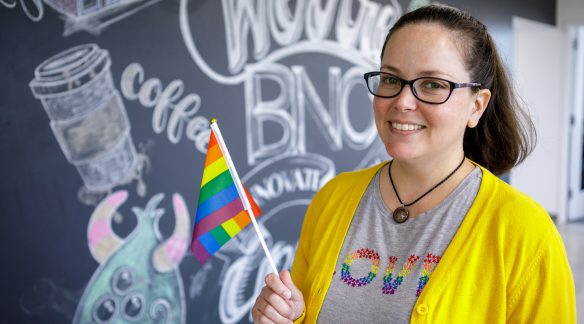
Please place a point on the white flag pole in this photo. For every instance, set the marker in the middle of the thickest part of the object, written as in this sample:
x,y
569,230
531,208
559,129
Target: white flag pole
x,y
242,195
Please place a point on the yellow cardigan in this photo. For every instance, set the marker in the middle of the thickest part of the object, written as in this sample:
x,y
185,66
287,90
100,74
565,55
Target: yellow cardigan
x,y
506,263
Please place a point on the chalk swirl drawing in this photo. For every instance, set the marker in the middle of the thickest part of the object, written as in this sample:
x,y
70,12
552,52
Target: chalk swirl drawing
x,y
249,270
92,16
88,117
173,112
138,278
35,15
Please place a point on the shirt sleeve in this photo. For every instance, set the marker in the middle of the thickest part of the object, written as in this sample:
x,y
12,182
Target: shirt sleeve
x,y
546,293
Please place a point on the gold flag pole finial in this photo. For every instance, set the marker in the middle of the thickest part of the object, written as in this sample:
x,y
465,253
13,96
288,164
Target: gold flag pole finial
x,y
213,120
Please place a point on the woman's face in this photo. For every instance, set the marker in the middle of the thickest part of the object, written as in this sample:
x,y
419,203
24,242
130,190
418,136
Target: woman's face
x,y
416,131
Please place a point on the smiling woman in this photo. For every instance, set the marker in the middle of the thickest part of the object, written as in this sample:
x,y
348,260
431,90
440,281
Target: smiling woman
x,y
419,51
447,204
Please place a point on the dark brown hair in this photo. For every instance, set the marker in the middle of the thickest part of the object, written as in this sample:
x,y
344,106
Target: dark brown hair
x,y
505,134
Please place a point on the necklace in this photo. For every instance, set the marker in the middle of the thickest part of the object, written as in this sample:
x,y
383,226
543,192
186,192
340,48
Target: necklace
x,y
401,214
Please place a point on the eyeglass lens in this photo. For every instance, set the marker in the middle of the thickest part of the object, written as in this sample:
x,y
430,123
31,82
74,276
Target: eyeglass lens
x,y
426,89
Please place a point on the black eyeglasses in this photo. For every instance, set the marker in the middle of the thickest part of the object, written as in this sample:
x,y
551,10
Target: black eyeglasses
x,y
429,90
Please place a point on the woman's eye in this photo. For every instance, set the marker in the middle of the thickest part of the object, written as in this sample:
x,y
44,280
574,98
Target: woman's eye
x,y
388,80
434,84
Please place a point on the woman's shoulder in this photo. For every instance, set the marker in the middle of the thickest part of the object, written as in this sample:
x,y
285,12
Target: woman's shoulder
x,y
350,180
511,211
502,195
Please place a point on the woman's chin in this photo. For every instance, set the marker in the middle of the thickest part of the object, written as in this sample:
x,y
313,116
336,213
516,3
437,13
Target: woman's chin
x,y
401,153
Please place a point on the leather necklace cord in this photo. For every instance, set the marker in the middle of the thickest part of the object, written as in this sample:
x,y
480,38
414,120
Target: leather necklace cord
x,y
401,214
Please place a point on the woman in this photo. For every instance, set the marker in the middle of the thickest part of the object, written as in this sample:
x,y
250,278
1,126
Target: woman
x,y
371,239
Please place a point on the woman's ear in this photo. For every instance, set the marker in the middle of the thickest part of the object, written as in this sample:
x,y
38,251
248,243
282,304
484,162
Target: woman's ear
x,y
479,106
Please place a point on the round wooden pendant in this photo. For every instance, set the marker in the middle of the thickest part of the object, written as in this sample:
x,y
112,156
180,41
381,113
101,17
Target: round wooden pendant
x,y
401,214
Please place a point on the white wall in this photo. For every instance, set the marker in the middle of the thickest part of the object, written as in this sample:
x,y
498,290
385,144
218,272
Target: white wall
x,y
543,51
569,15
538,72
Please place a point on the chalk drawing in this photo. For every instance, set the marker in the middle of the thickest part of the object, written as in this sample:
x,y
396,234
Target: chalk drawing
x,y
138,278
88,118
178,117
198,281
338,30
236,298
46,297
298,99
92,16
35,15
243,18
280,179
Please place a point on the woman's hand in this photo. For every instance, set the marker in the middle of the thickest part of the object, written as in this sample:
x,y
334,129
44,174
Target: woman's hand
x,y
279,301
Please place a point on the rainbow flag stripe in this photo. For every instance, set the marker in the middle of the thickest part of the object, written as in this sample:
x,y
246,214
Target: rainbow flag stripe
x,y
220,212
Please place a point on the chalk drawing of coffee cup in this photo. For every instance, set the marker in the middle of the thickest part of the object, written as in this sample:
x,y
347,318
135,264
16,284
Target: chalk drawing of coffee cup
x,y
87,115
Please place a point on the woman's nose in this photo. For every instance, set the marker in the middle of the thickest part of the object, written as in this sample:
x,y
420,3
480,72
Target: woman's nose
x,y
406,100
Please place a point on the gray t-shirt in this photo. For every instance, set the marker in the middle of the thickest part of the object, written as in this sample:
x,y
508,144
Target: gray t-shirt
x,y
383,266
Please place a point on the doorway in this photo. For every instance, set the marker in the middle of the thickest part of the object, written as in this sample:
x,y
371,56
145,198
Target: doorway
x,y
576,152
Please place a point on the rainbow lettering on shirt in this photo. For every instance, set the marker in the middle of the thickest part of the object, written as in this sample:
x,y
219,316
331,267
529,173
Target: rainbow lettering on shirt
x,y
390,284
360,254
428,266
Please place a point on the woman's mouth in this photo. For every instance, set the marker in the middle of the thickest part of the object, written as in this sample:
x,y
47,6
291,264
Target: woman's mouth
x,y
406,127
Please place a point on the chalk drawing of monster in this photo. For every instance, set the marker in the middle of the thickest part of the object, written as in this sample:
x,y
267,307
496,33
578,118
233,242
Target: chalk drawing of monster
x,y
138,278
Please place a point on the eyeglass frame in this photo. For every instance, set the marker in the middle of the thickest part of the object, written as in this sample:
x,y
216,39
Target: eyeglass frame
x,y
404,82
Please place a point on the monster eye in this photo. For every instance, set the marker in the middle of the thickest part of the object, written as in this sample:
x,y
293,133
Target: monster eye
x,y
133,307
105,309
122,280
160,310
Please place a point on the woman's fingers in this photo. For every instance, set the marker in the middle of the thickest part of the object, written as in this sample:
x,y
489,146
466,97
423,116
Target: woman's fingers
x,y
271,308
297,299
276,284
279,301
268,313
286,279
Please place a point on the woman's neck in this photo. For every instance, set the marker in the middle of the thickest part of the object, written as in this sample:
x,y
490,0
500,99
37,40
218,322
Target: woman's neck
x,y
413,178
423,170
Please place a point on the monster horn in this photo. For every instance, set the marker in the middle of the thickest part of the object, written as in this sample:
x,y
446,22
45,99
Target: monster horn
x,y
168,254
100,236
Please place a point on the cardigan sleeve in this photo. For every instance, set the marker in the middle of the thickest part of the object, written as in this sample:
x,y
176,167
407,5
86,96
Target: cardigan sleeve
x,y
546,293
301,264
309,241
302,256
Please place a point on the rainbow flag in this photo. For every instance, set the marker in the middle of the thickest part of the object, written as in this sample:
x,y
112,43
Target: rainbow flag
x,y
220,212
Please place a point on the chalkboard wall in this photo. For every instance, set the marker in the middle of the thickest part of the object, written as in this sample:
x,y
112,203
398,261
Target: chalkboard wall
x,y
104,121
